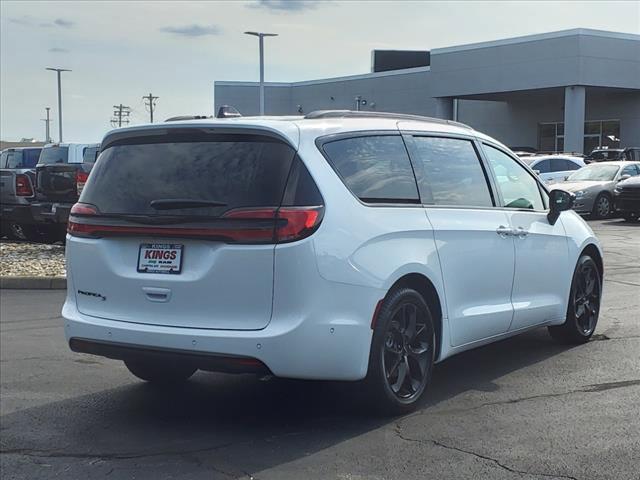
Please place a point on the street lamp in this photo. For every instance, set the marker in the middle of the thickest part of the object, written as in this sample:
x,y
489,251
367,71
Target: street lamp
x,y
261,36
59,71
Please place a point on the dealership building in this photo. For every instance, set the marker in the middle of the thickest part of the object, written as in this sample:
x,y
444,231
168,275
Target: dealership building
x,y
566,91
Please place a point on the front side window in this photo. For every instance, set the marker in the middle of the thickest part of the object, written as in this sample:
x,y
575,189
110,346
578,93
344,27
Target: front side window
x,y
517,187
375,168
449,172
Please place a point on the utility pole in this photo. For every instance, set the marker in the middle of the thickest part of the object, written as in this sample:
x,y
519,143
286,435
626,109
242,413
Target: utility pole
x,y
152,103
47,131
59,71
261,36
120,115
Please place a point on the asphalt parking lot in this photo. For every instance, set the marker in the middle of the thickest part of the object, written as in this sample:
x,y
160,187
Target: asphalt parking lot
x,y
522,408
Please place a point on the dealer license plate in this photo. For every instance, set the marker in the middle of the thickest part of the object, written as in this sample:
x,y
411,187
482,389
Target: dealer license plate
x,y
160,258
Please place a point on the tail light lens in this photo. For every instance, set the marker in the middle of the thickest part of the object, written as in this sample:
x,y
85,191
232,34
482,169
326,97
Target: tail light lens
x,y
259,225
81,179
23,186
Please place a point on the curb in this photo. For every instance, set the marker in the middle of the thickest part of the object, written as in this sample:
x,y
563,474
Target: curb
x,y
33,283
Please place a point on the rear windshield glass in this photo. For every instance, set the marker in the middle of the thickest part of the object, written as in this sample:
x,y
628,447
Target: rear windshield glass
x,y
235,170
54,155
90,154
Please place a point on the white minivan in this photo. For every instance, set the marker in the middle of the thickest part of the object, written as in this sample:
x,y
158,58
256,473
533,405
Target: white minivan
x,y
341,245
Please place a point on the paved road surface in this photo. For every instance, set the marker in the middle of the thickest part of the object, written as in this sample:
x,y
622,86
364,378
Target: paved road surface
x,y
525,408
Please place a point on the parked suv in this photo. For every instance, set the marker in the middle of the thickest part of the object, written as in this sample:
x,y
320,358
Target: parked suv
x,y
612,154
62,170
339,246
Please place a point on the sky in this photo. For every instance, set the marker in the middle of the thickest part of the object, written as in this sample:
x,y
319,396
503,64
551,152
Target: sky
x,y
119,51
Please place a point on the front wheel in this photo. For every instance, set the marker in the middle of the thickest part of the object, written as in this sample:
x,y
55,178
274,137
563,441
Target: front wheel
x,y
602,206
160,372
402,352
584,304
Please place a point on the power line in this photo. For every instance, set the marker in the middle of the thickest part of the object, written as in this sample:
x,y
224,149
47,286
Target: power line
x,y
120,115
150,102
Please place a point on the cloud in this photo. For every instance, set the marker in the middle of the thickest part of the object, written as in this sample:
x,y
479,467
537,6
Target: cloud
x,y
58,50
61,22
193,30
28,20
285,6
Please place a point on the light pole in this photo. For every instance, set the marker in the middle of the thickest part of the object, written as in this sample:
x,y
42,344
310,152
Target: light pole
x,y
261,36
59,71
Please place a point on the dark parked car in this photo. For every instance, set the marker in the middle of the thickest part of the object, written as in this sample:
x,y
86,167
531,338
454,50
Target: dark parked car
x,y
613,154
61,173
626,197
17,180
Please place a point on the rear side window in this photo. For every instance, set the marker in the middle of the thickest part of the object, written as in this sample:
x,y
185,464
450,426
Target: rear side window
x,y
234,170
54,155
375,168
545,166
449,172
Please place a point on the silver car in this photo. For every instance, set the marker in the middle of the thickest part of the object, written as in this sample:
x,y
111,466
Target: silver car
x,y
593,186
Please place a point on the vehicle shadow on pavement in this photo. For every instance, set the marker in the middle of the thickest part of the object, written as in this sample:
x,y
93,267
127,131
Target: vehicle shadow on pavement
x,y
234,424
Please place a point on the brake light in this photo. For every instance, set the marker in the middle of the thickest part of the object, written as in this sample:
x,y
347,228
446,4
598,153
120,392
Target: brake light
x,y
81,179
23,186
254,225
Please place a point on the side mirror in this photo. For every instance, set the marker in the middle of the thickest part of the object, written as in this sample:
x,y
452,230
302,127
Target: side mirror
x,y
559,201
624,177
537,172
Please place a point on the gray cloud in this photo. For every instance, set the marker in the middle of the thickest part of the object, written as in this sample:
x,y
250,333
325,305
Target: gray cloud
x,y
28,20
193,30
58,50
61,22
285,6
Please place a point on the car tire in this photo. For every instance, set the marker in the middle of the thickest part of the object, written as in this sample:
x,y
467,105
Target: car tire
x,y
584,304
402,353
160,372
602,206
631,217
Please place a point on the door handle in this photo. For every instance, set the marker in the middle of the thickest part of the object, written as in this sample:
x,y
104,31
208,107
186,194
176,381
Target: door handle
x,y
503,231
520,232
154,294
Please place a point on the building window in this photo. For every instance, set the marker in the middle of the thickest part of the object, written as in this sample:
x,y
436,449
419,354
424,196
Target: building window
x,y
597,133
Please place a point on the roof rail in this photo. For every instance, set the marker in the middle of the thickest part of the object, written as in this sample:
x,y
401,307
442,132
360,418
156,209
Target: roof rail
x,y
318,114
181,118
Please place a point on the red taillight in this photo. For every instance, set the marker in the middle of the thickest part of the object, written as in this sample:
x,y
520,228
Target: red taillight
x,y
81,179
23,186
287,224
301,222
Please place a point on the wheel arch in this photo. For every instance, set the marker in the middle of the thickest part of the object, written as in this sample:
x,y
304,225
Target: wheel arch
x,y
423,285
594,253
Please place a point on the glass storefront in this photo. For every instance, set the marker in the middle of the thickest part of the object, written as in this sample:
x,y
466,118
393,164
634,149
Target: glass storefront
x,y
597,133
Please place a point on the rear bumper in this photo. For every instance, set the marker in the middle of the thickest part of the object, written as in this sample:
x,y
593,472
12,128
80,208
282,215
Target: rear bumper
x,y
16,214
51,212
318,348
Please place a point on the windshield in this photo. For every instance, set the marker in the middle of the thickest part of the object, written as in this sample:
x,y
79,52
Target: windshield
x,y
594,173
54,155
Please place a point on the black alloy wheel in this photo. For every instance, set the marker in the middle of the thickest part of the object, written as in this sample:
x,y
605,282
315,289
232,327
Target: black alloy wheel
x,y
584,304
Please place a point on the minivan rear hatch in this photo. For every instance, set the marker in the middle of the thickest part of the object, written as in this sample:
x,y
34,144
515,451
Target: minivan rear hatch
x,y
176,228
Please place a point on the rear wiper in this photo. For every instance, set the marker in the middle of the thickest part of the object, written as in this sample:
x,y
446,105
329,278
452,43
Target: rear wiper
x,y
177,203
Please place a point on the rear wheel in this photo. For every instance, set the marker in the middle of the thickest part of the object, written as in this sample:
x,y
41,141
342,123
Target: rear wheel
x,y
584,304
631,217
160,372
402,352
602,206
